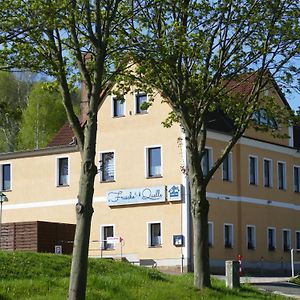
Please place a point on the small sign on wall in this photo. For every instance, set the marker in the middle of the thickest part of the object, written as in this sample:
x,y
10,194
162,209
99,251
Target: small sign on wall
x,y
178,240
58,249
174,192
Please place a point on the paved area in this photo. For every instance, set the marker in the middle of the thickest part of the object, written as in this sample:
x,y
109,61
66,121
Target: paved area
x,y
276,285
281,288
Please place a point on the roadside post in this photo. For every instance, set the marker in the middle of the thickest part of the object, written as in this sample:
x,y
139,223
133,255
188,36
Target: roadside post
x,y
232,274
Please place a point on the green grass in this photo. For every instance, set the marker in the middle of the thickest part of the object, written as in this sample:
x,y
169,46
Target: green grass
x,y
35,276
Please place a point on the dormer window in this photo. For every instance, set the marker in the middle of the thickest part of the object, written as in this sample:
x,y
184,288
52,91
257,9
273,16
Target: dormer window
x,y
261,118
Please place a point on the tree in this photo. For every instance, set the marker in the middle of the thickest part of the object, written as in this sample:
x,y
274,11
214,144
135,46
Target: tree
x,y
42,118
13,98
198,55
68,40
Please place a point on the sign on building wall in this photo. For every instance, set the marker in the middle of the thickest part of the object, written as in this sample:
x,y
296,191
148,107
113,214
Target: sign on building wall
x,y
174,192
136,196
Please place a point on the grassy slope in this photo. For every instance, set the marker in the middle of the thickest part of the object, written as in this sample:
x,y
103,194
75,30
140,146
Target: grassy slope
x,y
35,276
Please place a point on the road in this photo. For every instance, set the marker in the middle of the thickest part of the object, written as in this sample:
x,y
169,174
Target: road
x,y
276,285
283,288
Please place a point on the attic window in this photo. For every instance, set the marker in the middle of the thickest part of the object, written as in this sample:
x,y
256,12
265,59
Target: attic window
x,y
261,118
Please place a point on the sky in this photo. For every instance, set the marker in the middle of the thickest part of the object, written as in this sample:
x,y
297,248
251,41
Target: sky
x,y
294,100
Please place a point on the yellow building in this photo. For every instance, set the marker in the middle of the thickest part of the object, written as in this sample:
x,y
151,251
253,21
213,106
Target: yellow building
x,y
141,200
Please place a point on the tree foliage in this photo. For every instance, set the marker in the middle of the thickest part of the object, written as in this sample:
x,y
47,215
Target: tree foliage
x,y
13,98
208,57
42,118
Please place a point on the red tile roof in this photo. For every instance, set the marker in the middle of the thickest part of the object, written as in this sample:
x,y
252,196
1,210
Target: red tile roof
x,y
63,137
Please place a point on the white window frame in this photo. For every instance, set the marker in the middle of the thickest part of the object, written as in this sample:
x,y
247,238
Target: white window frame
x,y
102,236
113,108
211,243
274,238
271,172
57,171
254,237
135,103
289,239
232,235
210,159
297,232
100,166
230,168
298,167
1,176
284,174
146,159
149,234
256,169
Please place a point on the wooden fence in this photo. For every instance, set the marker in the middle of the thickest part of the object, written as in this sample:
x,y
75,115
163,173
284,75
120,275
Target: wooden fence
x,y
37,236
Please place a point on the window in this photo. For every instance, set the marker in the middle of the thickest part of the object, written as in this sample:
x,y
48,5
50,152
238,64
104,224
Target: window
x,y
271,239
286,235
227,168
268,173
206,162
297,240
210,234
107,166
228,235
281,175
253,170
63,171
118,107
6,177
297,179
261,117
154,166
154,234
251,237
140,99
106,232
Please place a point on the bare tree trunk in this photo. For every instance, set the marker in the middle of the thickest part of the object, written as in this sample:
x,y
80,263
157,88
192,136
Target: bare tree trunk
x,y
84,212
199,211
200,240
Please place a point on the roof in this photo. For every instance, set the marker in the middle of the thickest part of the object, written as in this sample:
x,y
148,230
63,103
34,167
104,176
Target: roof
x,y
244,84
63,137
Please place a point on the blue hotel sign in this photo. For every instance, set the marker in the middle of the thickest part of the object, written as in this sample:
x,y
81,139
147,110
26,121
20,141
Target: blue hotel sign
x,y
137,196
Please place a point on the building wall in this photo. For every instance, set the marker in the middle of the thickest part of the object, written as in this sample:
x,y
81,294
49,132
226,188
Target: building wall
x,y
36,196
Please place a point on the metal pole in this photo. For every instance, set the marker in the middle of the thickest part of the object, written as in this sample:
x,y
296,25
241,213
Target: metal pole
x,y
292,262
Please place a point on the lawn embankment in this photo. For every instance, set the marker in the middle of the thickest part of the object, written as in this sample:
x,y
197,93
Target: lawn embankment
x,y
35,276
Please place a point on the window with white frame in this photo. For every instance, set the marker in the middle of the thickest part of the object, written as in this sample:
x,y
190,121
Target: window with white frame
x,y
281,175
206,161
297,242
253,170
271,238
268,172
286,239
154,162
154,234
118,107
261,117
227,168
228,235
107,231
6,177
210,234
107,166
140,99
63,171
296,179
251,237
